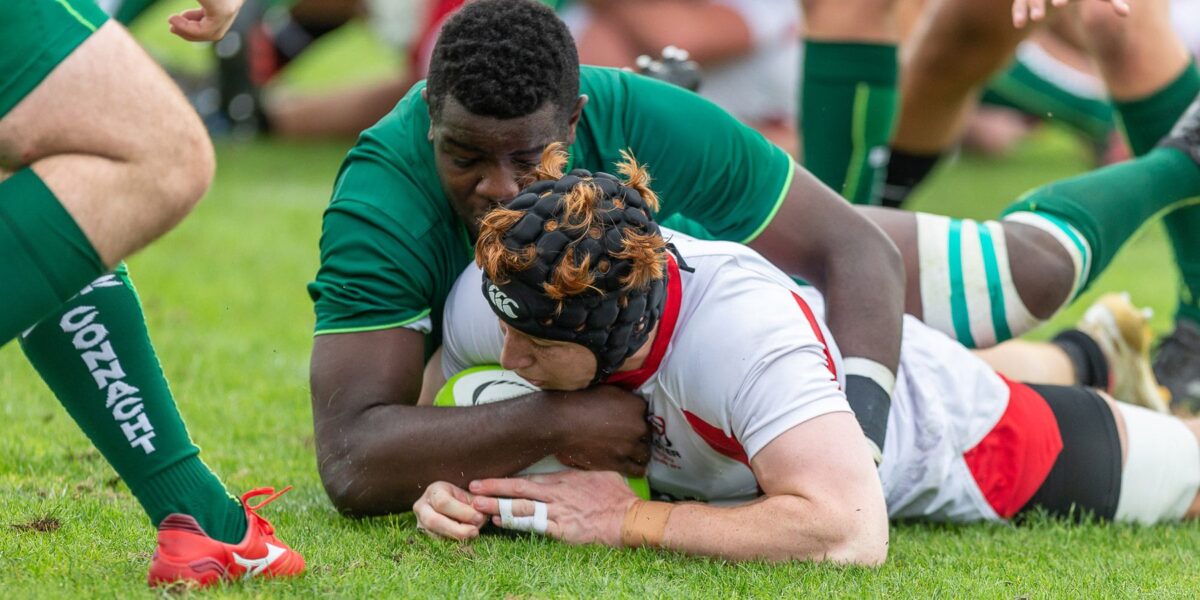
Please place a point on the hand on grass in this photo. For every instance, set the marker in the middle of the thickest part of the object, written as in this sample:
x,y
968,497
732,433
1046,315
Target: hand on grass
x,y
583,507
1024,11
445,511
207,23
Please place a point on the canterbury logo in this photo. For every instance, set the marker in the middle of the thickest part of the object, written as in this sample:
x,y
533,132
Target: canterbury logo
x,y
255,566
502,302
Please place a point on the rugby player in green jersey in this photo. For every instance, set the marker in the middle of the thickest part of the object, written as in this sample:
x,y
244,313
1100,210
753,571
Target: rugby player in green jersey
x,y
403,217
504,83
99,155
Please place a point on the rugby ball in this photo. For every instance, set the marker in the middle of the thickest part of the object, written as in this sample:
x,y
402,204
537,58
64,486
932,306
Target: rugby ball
x,y
492,383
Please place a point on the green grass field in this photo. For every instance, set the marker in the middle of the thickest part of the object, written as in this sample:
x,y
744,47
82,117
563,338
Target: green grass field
x,y
225,300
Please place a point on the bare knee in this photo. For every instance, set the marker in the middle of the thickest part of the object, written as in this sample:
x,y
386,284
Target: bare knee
x,y
1042,270
186,179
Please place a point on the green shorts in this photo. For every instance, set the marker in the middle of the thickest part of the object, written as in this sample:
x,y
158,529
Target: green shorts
x,y
36,35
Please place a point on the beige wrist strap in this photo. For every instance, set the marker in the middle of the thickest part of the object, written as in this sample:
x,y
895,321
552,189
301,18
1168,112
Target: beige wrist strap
x,y
645,523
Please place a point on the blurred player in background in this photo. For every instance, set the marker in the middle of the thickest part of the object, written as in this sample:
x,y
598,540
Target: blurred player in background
x,y
101,154
1149,74
749,51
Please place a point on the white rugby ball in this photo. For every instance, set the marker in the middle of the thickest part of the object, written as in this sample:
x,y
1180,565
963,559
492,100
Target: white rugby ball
x,y
493,383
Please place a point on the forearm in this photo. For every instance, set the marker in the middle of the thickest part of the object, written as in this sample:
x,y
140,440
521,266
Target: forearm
x,y
864,298
381,460
776,528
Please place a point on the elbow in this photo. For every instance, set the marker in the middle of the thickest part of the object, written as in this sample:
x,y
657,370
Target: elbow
x,y
344,489
361,480
342,466
864,539
861,551
853,534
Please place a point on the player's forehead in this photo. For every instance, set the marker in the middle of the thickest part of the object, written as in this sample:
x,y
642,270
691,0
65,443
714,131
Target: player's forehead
x,y
540,341
459,127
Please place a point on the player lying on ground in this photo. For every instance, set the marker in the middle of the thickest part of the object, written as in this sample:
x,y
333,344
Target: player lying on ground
x,y
743,383
100,154
406,204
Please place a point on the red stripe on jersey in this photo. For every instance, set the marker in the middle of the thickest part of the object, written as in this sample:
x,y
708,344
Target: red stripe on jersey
x,y
1012,461
816,327
632,380
725,444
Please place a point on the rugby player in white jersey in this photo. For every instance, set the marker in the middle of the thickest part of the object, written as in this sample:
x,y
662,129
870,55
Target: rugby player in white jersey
x,y
743,384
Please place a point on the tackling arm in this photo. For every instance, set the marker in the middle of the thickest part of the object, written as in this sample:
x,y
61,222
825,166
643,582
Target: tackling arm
x,y
376,450
820,237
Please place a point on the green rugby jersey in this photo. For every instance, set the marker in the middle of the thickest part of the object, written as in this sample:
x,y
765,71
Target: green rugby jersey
x,y
391,246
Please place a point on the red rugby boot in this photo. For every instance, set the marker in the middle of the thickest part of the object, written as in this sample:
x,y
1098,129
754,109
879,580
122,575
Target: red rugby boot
x,y
186,553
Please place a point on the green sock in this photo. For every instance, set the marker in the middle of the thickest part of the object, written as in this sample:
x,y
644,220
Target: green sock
x,y
1024,89
1145,122
96,356
848,106
1107,206
46,258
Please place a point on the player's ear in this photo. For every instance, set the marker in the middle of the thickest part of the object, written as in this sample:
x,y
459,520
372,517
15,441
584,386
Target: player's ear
x,y
576,114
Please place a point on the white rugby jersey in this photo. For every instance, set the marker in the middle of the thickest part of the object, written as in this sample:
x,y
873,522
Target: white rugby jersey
x,y
742,355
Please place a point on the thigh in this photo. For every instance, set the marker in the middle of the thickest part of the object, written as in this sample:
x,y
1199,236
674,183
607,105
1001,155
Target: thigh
x,y
105,98
1138,54
1086,477
37,35
955,47
901,227
964,38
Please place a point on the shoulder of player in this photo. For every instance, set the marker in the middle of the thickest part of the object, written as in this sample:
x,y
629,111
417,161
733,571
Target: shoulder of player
x,y
720,339
611,90
738,307
367,218
391,169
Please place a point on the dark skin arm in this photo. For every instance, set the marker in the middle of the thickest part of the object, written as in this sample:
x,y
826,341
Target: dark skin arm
x,y
822,238
376,450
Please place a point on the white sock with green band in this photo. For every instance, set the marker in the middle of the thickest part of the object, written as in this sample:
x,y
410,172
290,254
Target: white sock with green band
x,y
967,289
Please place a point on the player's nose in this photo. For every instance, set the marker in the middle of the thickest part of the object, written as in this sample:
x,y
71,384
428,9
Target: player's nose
x,y
498,184
515,355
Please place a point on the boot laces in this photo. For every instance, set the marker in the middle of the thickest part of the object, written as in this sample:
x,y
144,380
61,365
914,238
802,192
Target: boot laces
x,y
253,509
